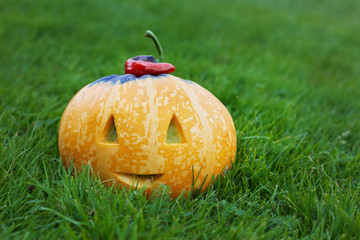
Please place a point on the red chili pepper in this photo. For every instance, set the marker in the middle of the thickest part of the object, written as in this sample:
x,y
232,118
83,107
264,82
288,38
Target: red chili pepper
x,y
143,65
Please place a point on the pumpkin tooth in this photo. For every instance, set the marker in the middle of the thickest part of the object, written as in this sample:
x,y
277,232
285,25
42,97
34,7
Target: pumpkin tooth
x,y
137,180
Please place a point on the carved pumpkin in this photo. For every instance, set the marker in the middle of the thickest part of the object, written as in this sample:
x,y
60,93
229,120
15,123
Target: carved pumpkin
x,y
146,131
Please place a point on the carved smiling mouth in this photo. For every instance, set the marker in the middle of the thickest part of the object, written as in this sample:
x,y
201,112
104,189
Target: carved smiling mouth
x,y
137,180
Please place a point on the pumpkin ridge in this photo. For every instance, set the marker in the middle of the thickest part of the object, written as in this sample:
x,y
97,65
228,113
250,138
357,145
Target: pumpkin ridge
x,y
206,133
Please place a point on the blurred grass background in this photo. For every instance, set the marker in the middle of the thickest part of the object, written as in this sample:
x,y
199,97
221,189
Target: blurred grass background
x,y
287,71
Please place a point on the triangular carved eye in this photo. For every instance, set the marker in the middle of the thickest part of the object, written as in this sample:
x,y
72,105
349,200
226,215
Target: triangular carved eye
x,y
174,134
109,133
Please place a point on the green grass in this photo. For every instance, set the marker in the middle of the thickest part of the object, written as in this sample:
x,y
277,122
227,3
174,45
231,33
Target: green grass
x,y
288,73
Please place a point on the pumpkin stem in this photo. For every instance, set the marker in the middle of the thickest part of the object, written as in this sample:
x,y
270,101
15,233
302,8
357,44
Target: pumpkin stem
x,y
151,35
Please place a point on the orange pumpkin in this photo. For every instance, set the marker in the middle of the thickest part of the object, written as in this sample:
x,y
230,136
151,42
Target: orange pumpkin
x,y
142,130
146,131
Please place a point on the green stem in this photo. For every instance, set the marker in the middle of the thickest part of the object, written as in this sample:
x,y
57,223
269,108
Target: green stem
x,y
151,35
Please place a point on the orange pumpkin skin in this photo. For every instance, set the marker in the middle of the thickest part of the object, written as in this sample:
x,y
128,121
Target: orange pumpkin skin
x,y
142,109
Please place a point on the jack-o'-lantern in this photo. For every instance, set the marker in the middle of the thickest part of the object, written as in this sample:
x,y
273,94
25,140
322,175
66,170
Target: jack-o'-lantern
x,y
143,130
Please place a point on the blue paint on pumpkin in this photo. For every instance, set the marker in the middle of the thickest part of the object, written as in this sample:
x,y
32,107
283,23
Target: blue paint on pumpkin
x,y
188,81
121,79
114,79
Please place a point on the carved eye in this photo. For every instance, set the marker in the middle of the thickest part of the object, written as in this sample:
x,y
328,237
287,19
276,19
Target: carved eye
x,y
174,134
109,133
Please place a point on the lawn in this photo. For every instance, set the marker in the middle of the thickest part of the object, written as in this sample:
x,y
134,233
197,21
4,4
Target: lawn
x,y
287,71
